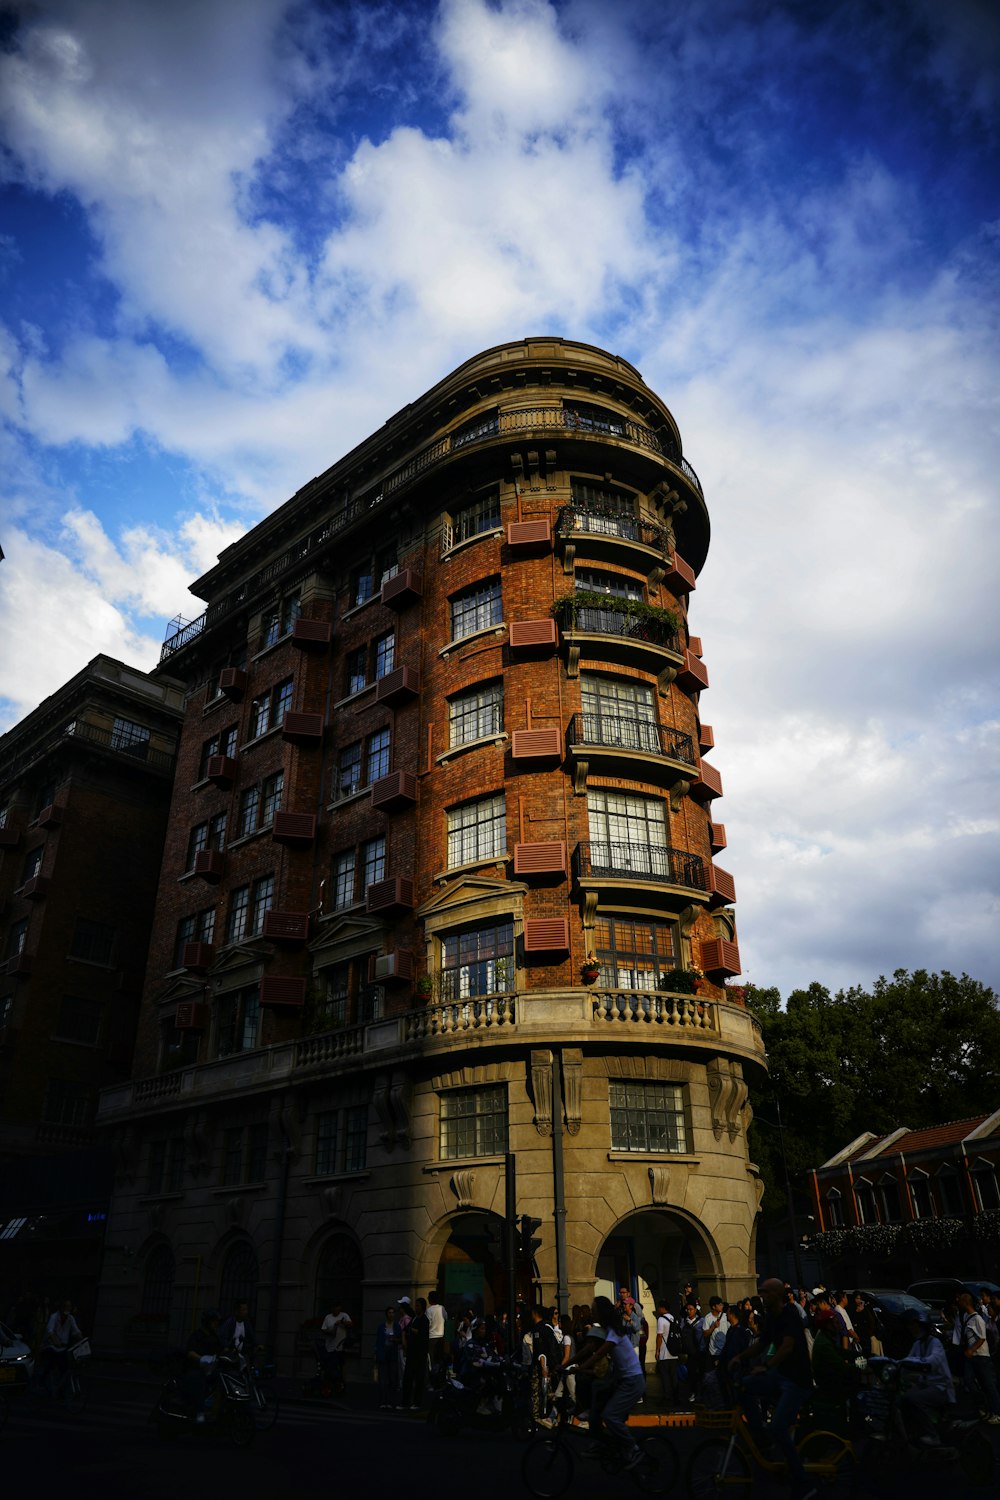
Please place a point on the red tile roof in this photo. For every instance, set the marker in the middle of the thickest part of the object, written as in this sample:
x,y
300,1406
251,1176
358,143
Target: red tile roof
x,y
933,1135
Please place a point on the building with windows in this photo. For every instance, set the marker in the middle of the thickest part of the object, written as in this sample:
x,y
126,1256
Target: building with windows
x,y
910,1204
85,788
440,884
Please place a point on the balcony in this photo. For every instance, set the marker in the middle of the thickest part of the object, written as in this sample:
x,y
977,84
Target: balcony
x,y
693,675
293,828
619,869
221,769
402,589
533,637
611,631
286,926
302,729
720,959
611,535
530,536
708,783
396,967
655,1009
388,897
540,859
395,791
634,748
546,935
232,683
210,865
398,687
312,635
279,993
536,744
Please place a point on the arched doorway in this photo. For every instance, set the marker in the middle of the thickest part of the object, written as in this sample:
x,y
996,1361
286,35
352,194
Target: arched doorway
x,y
157,1295
239,1279
471,1270
339,1274
653,1253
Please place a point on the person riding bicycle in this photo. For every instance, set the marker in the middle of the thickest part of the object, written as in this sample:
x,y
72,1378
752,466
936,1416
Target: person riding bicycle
x,y
61,1333
780,1376
936,1388
611,1401
203,1348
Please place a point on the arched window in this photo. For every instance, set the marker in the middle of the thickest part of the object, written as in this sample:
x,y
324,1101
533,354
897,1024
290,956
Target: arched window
x,y
834,1209
158,1283
238,1282
338,1277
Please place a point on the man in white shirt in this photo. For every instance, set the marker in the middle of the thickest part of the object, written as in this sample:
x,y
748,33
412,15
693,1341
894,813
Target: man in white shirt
x,y
436,1317
666,1363
334,1328
976,1350
711,1323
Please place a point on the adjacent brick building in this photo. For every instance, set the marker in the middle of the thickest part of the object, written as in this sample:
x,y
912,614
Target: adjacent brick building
x,y
443,748
85,786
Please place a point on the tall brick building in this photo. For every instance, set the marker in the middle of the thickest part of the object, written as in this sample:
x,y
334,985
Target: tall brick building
x,y
443,749
85,787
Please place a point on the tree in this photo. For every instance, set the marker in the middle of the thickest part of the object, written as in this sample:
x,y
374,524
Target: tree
x,y
916,1050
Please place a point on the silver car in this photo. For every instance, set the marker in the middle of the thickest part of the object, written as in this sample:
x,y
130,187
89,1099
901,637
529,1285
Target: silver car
x,y
16,1362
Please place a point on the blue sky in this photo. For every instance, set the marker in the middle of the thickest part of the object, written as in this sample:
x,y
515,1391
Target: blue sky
x,y
237,235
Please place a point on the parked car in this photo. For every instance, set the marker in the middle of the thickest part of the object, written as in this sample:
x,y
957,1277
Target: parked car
x,y
946,1289
893,1311
16,1363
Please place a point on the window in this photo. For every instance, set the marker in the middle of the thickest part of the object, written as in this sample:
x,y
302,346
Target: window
x,y
634,955
247,905
208,835
889,1193
198,927
257,1152
617,712
587,418
237,1021
268,711
984,1186
478,961
32,864
249,811
232,1155
270,801
223,743
476,609
477,831
357,670
342,1140
628,833
45,796
474,1122
950,1194
483,426
278,622
349,997
68,1103
17,936
606,512
93,942
473,520
647,1116
590,581
79,1020
130,739
258,804
834,1210
365,864
244,1154
373,861
359,765
476,714
347,778
864,1197
336,1000
367,580
343,879
920,1195
240,1278
377,750
166,1165
385,654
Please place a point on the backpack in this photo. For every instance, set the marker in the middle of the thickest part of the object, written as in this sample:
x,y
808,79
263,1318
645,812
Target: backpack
x,y
675,1344
691,1340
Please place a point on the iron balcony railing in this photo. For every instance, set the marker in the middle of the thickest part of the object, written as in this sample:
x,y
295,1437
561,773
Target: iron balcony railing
x,y
616,733
527,420
590,619
623,524
597,859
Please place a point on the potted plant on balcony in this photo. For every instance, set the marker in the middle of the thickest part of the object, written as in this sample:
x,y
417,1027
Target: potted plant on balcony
x,y
424,987
681,981
591,970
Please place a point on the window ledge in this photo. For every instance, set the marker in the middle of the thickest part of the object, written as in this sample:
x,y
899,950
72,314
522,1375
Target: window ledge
x,y
475,864
342,911
215,703
246,838
199,786
91,963
266,650
682,1156
369,687
454,750
456,1163
240,1187
338,802
319,1178
268,734
171,1195
356,609
494,534
474,635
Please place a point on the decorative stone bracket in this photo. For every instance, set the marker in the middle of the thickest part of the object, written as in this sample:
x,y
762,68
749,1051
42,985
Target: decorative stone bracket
x,y
728,1095
391,1098
541,1090
463,1185
659,1184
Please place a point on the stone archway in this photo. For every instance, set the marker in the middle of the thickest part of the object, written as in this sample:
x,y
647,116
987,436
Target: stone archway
x,y
653,1252
471,1269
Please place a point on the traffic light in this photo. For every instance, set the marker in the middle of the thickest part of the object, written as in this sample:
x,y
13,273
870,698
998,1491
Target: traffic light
x,y
527,1244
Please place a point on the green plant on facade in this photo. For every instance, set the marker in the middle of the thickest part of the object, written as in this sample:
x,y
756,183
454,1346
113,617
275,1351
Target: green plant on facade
x,y
632,609
680,981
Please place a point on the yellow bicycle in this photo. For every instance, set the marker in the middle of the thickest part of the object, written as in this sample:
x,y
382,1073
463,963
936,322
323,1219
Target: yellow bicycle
x,y
724,1464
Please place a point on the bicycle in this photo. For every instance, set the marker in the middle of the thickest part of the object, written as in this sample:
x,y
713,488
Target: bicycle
x,y
65,1384
548,1466
728,1464
261,1390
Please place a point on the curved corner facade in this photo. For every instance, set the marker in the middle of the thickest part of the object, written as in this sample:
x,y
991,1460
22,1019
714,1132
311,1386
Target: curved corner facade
x,y
440,883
